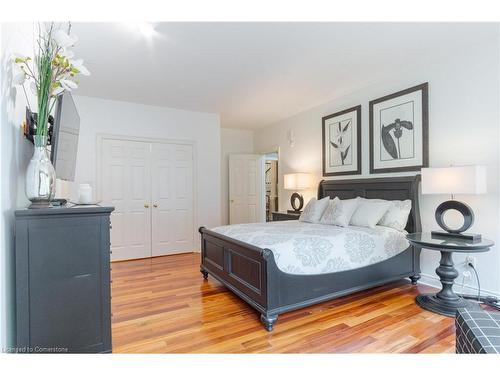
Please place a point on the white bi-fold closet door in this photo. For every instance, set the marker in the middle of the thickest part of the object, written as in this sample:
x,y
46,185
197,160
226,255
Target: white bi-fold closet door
x,y
151,186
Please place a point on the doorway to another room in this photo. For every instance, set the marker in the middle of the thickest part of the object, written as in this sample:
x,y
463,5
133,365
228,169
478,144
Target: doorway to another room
x,y
253,187
271,184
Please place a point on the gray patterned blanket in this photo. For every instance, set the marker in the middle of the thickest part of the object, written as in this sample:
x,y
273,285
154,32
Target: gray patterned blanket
x,y
304,248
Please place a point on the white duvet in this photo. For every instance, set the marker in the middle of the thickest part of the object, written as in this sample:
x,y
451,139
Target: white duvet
x,y
304,248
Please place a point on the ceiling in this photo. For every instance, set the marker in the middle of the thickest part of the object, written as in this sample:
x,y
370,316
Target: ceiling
x,y
254,74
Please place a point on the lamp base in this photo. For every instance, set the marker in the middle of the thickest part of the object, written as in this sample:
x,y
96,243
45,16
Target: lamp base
x,y
293,201
463,236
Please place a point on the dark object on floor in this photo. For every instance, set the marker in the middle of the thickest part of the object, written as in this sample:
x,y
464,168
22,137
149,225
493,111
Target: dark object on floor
x,y
63,301
251,272
477,332
446,301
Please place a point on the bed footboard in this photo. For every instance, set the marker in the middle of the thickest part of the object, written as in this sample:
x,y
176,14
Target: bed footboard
x,y
243,268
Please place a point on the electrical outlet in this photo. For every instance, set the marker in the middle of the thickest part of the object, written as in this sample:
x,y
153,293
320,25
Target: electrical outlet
x,y
466,274
471,260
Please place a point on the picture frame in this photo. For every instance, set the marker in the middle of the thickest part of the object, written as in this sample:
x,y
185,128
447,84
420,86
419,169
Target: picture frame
x,y
399,131
341,139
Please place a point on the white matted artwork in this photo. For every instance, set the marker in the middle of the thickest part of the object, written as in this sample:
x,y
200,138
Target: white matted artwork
x,y
342,142
399,131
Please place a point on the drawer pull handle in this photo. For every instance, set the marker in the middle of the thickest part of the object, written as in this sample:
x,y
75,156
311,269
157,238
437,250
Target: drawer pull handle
x,y
84,275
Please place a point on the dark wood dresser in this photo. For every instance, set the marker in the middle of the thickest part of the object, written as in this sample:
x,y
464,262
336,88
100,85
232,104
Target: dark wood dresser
x,y
63,280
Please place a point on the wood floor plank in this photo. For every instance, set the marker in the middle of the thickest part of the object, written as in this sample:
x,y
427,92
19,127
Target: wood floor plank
x,y
163,305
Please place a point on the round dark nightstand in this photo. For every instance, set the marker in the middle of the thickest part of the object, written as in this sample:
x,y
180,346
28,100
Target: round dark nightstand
x,y
446,301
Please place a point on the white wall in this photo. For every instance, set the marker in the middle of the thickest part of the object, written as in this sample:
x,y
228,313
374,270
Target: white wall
x,y
233,141
15,153
463,129
100,116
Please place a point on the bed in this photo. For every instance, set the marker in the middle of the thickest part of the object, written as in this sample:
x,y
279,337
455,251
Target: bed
x,y
241,259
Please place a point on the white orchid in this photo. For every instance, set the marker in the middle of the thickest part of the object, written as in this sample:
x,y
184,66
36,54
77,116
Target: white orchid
x,y
18,75
57,91
78,67
18,58
68,84
66,52
51,72
64,39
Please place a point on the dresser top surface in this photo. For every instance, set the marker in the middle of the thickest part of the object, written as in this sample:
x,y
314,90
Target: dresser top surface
x,y
64,210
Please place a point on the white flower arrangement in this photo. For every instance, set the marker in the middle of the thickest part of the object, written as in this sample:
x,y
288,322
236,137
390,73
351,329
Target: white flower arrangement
x,y
51,72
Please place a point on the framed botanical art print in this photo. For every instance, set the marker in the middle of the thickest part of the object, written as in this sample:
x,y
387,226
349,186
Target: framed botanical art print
x,y
399,125
342,142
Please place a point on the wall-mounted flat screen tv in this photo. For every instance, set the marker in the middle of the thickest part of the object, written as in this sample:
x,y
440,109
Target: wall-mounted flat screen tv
x,y
64,146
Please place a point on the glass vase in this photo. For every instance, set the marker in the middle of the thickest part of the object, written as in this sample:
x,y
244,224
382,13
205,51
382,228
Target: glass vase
x,y
40,176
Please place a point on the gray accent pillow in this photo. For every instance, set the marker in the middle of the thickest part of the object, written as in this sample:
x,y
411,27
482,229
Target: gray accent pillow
x,y
397,215
314,210
339,212
369,212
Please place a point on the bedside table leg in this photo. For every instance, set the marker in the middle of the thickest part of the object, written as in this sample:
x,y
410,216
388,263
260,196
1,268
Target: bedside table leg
x,y
446,301
447,275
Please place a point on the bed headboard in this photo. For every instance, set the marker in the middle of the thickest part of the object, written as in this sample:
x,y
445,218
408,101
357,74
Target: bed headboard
x,y
389,188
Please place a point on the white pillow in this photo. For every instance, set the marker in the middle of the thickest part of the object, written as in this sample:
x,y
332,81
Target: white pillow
x,y
314,210
397,215
369,212
339,212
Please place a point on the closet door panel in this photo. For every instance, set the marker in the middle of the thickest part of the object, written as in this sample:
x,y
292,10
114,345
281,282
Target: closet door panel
x,y
162,229
126,184
140,199
172,188
183,177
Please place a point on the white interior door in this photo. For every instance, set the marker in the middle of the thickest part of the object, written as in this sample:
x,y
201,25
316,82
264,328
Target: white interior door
x,y
126,183
246,188
172,197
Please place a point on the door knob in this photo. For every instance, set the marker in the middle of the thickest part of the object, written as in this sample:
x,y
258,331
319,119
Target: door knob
x,y
146,205
155,205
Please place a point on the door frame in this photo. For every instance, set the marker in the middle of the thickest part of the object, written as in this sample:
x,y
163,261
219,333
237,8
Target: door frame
x,y
100,137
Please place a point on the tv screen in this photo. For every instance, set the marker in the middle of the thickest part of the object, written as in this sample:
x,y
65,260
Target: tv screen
x,y
65,137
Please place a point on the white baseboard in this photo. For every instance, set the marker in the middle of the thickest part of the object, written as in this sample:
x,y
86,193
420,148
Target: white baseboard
x,y
433,280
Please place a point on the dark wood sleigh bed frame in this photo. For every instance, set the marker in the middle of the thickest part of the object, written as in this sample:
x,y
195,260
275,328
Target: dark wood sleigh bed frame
x,y
252,274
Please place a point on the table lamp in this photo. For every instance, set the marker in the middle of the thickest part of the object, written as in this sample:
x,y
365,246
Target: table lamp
x,y
297,181
455,180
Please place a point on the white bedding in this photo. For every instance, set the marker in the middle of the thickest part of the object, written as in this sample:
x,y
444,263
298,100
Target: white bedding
x,y
307,249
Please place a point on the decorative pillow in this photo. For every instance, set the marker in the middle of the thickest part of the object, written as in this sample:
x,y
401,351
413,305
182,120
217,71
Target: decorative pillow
x,y
369,212
339,212
314,210
397,215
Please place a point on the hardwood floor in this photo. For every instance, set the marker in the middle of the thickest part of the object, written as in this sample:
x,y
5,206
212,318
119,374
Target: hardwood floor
x,y
163,305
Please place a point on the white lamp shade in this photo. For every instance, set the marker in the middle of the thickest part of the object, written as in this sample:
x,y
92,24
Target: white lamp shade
x,y
454,180
298,181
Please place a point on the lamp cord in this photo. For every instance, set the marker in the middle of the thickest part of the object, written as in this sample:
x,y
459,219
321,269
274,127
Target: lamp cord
x,y
478,283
